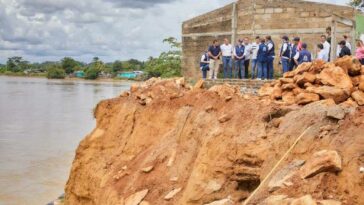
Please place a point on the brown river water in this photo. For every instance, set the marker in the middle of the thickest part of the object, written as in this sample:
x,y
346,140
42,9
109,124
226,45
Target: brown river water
x,y
41,124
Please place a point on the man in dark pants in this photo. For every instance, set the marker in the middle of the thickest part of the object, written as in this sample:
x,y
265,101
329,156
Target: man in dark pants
x,y
248,53
345,51
294,50
271,55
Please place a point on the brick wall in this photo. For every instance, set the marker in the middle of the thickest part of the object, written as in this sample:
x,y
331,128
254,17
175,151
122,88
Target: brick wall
x,y
258,17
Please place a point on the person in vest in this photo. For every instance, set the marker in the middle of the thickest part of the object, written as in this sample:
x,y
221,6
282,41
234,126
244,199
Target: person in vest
x,y
303,56
295,47
239,56
271,55
345,51
227,52
285,54
204,64
262,58
214,55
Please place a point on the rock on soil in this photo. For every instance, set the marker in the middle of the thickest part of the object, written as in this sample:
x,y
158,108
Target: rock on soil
x,y
220,162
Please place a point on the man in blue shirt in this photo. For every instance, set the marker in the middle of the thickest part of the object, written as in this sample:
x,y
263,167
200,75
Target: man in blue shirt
x,y
262,59
294,50
214,54
239,57
304,56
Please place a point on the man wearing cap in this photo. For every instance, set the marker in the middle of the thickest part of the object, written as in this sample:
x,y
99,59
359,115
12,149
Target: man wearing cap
x,y
295,48
285,54
303,56
227,51
239,56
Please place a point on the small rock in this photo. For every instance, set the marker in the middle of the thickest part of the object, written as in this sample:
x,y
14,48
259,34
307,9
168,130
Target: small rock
x,y
144,203
329,202
213,186
209,108
322,161
276,122
361,169
173,179
147,169
336,112
124,168
305,98
358,96
228,98
226,201
277,200
136,198
125,94
199,84
172,193
305,200
326,128
224,118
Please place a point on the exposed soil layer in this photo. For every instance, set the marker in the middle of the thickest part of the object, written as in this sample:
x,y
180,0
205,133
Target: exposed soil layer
x,y
166,143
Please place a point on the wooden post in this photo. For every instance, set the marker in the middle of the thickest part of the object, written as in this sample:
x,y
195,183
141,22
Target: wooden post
x,y
333,39
234,24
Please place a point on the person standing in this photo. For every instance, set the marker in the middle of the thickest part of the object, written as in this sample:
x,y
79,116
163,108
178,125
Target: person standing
x,y
255,47
239,56
345,51
271,55
303,56
326,44
226,50
347,44
248,52
321,54
295,48
262,58
214,54
359,53
285,54
204,64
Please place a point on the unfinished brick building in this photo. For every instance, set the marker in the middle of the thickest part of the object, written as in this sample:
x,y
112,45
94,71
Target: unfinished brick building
x,y
249,18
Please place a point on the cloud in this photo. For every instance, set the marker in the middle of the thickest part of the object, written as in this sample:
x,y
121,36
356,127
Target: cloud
x,y
41,30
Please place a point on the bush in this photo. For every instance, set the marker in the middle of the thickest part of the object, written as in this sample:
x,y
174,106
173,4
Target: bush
x,y
92,73
56,73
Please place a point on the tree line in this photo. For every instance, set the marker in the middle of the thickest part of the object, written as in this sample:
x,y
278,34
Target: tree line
x,y
167,64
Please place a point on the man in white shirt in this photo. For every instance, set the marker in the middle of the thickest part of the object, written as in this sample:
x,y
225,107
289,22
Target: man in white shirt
x,y
227,51
321,54
247,54
326,45
254,56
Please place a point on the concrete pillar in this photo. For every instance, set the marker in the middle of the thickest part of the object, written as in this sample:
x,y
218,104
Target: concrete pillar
x,y
234,24
333,39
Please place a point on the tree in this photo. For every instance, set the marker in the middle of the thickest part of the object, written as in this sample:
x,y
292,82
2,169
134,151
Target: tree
x,y
69,64
56,72
357,3
93,70
117,66
16,64
168,64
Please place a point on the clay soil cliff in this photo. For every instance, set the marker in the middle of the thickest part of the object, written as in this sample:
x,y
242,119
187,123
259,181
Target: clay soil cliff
x,y
167,143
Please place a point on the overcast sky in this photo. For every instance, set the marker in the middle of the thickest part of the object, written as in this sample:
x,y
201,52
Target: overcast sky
x,y
41,30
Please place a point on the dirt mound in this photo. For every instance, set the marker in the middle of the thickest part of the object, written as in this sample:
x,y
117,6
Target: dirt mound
x,y
341,81
166,143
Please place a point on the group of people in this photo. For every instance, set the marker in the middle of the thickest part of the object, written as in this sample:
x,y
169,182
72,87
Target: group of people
x,y
261,55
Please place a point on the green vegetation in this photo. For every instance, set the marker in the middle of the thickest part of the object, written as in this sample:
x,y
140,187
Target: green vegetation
x,y
56,72
168,64
355,3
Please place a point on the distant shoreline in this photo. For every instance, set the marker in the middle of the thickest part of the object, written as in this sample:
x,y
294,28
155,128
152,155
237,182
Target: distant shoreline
x,y
99,80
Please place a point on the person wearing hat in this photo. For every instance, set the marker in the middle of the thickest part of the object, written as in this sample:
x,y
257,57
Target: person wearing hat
x,y
303,56
295,48
285,54
239,56
345,51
